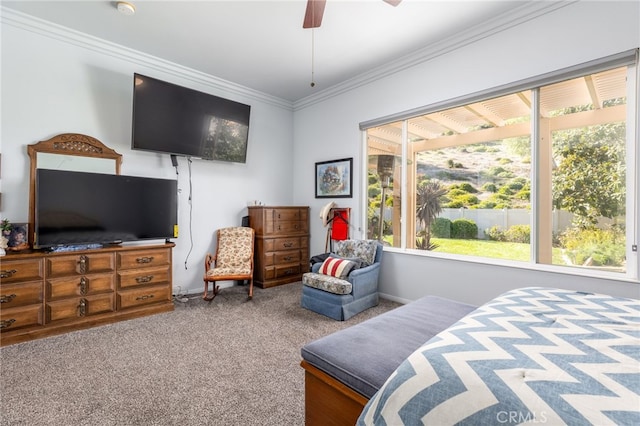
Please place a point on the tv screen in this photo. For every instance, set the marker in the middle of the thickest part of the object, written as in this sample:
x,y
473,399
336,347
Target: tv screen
x,y
74,208
175,120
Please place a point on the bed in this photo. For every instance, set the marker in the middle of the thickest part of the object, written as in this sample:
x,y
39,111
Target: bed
x,y
531,355
346,368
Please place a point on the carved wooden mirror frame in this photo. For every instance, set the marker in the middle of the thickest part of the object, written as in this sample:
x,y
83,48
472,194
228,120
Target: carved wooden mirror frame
x,y
74,144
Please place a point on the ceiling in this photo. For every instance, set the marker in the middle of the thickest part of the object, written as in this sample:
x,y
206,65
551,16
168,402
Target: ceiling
x,y
262,45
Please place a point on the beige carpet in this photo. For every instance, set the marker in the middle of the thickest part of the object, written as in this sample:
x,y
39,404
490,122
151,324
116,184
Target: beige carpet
x,y
229,362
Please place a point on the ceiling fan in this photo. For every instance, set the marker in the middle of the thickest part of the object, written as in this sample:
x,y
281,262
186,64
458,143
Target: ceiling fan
x,y
315,10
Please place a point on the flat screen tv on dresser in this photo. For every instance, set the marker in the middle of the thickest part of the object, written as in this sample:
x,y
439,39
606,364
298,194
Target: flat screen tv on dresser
x,y
77,208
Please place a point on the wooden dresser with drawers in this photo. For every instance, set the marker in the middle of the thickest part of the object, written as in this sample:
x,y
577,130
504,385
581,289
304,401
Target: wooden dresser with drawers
x,y
281,253
43,294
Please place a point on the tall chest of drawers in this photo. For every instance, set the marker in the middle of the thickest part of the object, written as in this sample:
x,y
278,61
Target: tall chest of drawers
x,y
43,294
281,253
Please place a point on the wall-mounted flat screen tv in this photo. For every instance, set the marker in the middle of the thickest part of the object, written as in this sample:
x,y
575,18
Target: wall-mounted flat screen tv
x,y
75,208
171,119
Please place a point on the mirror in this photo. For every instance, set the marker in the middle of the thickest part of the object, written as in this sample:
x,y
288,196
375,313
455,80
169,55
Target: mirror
x,y
75,163
68,151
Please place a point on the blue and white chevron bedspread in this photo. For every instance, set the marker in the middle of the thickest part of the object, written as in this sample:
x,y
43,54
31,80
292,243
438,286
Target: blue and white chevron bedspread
x,y
532,355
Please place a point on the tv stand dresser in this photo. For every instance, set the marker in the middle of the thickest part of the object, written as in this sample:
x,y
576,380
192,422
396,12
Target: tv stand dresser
x,y
43,294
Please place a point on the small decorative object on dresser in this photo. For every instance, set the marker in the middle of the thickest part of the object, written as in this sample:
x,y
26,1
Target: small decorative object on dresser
x,y
281,253
5,232
18,237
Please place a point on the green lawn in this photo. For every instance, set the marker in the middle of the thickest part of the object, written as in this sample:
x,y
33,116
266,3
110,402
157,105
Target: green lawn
x,y
498,250
494,249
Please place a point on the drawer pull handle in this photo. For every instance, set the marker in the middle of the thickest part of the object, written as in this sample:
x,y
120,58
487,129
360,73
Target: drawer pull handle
x,y
287,245
7,274
287,258
288,272
82,308
144,279
8,298
83,264
6,323
146,259
145,297
83,286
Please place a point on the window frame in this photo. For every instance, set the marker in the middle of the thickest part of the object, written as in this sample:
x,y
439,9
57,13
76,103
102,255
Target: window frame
x,y
628,59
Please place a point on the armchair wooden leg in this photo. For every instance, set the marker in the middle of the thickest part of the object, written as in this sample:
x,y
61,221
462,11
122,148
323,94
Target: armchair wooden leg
x,y
215,290
251,288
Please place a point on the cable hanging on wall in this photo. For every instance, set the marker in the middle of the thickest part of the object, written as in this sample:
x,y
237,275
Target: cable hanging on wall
x,y
190,213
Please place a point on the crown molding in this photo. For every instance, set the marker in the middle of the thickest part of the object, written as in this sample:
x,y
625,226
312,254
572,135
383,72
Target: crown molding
x,y
526,12
58,32
529,10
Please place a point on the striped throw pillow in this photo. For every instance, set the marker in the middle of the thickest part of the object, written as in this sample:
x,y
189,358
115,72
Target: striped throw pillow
x,y
338,268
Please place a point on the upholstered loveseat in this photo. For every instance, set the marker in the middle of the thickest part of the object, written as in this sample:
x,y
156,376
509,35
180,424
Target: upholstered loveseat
x,y
346,283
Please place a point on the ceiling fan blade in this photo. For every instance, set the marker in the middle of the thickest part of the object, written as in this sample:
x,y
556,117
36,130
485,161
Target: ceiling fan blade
x,y
313,15
393,3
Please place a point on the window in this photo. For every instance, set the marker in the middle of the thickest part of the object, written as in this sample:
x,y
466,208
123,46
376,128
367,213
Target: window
x,y
538,175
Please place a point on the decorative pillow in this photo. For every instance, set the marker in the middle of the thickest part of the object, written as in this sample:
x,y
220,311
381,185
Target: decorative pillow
x,y
358,263
363,249
339,268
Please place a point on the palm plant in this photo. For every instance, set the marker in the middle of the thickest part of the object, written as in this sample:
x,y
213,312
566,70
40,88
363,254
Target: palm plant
x,y
429,206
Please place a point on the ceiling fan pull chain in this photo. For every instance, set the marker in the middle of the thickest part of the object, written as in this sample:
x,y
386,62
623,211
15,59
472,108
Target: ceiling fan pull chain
x,y
313,83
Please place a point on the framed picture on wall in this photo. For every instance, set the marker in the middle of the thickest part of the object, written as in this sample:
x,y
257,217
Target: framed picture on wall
x,y
334,179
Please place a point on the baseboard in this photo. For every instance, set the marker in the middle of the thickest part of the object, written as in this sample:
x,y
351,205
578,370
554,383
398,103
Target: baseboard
x,y
394,298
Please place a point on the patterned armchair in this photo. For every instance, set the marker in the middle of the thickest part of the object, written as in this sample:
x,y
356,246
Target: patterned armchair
x,y
346,283
233,259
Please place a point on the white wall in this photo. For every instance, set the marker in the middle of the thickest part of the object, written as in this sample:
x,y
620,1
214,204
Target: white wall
x,y
55,81
570,35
